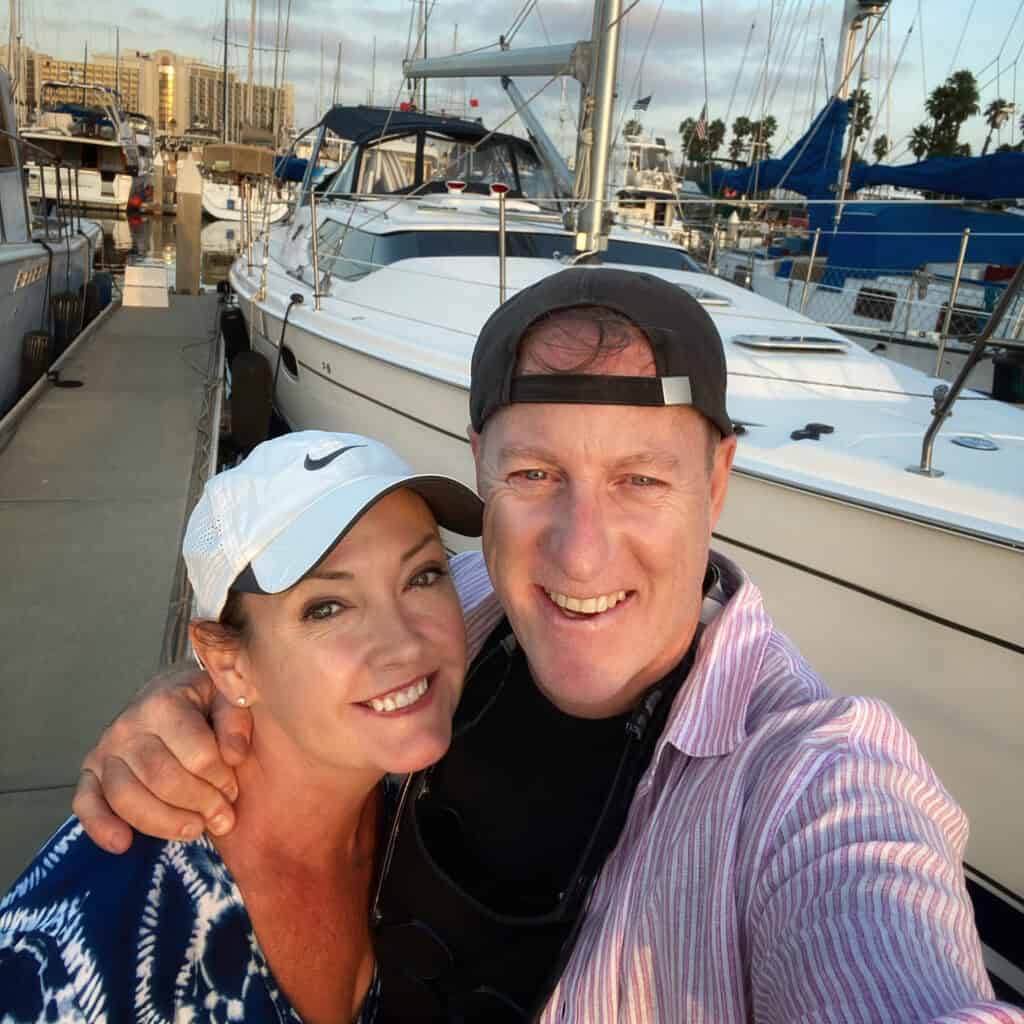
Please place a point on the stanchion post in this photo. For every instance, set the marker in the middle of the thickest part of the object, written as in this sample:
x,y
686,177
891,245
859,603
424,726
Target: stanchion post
x,y
952,299
810,269
316,251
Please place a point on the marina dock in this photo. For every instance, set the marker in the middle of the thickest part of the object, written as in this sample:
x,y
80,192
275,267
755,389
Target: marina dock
x,y
94,487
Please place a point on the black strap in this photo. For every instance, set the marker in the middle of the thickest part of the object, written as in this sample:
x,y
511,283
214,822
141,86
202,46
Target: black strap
x,y
590,389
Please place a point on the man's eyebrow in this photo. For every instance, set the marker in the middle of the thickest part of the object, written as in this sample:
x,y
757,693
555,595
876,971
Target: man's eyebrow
x,y
527,452
663,460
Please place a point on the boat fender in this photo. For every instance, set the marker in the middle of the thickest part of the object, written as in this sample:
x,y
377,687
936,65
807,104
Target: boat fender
x,y
236,335
65,319
36,356
250,400
104,282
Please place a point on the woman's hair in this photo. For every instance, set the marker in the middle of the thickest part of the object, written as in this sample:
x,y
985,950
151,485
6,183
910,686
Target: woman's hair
x,y
231,627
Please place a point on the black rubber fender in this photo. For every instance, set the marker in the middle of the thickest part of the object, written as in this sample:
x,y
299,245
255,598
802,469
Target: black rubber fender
x,y
36,356
251,399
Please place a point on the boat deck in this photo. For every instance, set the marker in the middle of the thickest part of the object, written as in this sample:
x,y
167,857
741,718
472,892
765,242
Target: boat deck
x,y
94,484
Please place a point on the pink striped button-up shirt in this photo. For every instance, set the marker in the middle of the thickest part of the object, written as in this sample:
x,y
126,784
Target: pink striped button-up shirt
x,y
789,856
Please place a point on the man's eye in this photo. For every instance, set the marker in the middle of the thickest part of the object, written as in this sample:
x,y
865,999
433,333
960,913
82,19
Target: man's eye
x,y
323,610
639,480
533,475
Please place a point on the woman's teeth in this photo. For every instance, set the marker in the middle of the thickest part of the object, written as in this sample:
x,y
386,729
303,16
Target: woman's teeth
x,y
400,698
587,605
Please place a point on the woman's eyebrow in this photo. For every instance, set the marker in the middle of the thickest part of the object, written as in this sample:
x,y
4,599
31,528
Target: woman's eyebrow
x,y
420,545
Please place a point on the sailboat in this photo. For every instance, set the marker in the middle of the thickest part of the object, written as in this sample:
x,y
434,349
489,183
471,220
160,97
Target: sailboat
x,y
908,278
223,195
887,537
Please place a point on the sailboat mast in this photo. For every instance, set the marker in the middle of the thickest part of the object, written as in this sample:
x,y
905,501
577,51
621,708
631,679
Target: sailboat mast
x,y
250,106
591,230
224,132
337,78
117,63
423,34
12,38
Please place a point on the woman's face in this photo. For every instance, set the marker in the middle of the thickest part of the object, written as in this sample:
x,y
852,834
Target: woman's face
x,y
360,665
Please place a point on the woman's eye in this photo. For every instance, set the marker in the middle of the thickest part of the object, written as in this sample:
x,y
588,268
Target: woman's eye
x,y
323,610
427,577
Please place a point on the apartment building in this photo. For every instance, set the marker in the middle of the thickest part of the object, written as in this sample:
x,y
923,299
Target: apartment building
x,y
183,95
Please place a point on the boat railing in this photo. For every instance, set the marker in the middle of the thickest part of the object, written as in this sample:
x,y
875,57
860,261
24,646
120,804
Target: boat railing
x,y
945,397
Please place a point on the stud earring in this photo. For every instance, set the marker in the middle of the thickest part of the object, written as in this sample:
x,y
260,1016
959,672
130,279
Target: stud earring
x,y
242,702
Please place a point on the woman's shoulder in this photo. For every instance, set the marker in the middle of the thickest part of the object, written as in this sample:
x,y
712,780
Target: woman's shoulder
x,y
86,935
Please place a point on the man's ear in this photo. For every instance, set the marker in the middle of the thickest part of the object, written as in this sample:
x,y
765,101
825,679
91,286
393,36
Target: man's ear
x,y
720,472
223,658
476,447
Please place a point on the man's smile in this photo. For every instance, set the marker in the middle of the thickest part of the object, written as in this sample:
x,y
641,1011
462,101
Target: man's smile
x,y
590,605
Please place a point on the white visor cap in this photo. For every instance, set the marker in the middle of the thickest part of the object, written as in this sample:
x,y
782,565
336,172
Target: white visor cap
x,y
261,526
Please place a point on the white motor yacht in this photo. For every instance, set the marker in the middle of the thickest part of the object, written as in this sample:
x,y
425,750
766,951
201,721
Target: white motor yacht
x,y
899,576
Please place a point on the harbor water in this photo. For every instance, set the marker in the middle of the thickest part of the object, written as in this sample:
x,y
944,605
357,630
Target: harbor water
x,y
196,252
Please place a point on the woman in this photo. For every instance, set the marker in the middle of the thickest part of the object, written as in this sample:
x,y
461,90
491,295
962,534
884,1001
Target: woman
x,y
323,603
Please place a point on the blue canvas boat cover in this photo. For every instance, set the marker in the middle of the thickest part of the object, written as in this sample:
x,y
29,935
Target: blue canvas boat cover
x,y
998,176
361,123
809,167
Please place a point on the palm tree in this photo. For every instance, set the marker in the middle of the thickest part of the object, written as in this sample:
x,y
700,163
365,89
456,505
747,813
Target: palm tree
x,y
996,114
860,113
881,148
920,141
741,128
949,105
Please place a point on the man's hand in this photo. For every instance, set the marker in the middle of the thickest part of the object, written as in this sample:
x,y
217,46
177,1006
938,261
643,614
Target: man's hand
x,y
160,768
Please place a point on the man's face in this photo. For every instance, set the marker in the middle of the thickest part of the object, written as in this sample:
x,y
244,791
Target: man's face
x,y
594,507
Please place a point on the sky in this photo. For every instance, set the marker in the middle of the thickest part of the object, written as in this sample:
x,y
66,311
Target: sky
x,y
760,55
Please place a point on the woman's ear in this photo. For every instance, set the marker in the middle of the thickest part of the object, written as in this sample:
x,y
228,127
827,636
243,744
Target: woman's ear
x,y
221,652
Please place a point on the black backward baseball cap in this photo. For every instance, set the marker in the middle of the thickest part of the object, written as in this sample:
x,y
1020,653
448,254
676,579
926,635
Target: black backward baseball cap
x,y
688,354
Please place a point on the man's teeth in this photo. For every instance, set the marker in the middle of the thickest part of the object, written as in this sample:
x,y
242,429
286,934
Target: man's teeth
x,y
587,605
401,698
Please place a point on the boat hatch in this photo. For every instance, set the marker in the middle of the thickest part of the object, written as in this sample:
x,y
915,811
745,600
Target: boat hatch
x,y
708,299
790,343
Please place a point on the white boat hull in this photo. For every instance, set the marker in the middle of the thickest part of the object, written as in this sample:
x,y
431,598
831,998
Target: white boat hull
x,y
90,190
890,314
922,617
222,201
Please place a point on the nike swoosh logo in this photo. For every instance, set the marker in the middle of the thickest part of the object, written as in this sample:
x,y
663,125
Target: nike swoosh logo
x,y
328,459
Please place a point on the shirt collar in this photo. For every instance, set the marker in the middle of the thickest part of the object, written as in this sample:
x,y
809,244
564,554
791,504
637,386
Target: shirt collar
x,y
708,715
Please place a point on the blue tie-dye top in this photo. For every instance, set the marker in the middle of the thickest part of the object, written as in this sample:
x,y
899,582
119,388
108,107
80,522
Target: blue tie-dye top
x,y
157,934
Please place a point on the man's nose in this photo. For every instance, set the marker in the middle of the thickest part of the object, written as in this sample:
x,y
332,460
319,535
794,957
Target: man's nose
x,y
578,539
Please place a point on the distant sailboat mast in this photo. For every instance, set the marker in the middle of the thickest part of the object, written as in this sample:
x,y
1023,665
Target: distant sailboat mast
x,y
224,131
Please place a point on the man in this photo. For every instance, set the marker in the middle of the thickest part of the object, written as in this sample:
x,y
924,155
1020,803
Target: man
x,y
652,809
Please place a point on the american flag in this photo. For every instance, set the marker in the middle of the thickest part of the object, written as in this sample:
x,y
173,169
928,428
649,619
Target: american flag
x,y
701,128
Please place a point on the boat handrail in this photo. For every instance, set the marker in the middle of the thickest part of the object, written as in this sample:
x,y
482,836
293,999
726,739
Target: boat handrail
x,y
945,396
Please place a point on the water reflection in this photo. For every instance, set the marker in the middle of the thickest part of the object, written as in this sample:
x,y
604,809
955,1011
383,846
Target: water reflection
x,y
196,254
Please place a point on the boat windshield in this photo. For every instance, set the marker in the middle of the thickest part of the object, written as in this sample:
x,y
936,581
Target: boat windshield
x,y
394,167
353,254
